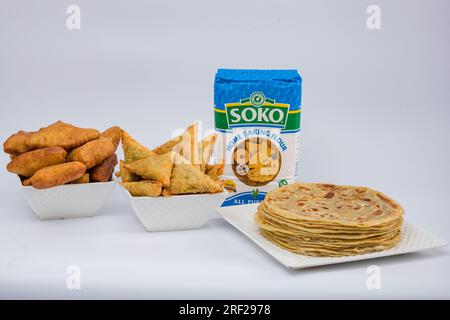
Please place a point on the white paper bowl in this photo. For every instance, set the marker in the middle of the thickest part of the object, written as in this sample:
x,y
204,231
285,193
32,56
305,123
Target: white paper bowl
x,y
180,212
68,201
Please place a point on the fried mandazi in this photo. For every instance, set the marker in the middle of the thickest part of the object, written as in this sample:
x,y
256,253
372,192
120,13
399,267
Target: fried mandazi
x,y
104,171
29,162
16,144
93,153
114,134
83,179
61,134
56,175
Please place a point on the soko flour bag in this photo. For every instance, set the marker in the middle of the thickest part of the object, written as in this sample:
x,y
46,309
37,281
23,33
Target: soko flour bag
x,y
257,118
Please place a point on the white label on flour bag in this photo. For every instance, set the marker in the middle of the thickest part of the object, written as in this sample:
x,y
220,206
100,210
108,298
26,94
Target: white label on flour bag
x,y
257,118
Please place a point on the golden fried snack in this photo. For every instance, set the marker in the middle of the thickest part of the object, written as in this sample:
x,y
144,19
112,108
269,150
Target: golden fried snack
x,y
207,150
187,178
154,167
56,175
103,172
84,179
93,152
126,175
143,188
28,163
61,134
16,143
114,134
132,149
214,171
186,144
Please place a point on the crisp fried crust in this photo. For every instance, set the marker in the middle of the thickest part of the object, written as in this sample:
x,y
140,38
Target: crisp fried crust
x,y
103,172
61,134
132,149
154,167
126,175
187,178
93,153
56,175
84,179
186,144
16,143
143,188
28,163
114,134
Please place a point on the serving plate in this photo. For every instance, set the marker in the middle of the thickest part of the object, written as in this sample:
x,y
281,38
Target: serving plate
x,y
413,239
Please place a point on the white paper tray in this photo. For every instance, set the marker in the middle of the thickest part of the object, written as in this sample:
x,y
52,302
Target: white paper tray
x,y
68,201
181,212
241,217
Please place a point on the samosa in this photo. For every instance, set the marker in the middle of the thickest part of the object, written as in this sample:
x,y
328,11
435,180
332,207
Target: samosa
x,y
187,178
154,167
186,144
143,188
132,149
126,175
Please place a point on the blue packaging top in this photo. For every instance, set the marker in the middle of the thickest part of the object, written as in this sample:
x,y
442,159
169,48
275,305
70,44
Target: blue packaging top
x,y
257,75
233,85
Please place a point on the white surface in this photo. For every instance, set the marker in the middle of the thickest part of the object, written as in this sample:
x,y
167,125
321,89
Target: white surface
x,y
375,113
118,258
173,213
68,201
413,239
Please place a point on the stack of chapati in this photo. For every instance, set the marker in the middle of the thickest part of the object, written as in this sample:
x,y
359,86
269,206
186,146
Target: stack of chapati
x,y
329,220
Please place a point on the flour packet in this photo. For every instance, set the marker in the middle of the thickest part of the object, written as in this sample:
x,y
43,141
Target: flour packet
x,y
257,119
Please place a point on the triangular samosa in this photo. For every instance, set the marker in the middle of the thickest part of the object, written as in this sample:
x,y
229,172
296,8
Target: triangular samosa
x,y
126,175
186,144
187,178
132,149
143,188
154,167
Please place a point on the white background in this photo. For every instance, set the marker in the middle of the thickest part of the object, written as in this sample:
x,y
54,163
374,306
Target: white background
x,y
375,113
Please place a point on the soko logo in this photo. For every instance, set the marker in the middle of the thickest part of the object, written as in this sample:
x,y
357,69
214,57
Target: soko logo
x,y
257,110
